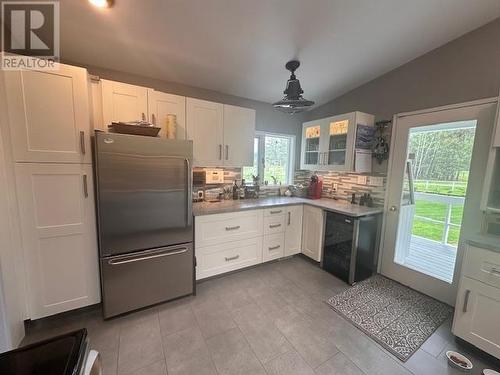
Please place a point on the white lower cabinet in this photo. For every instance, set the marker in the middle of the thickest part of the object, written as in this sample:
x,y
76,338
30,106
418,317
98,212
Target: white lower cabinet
x,y
230,241
477,308
273,246
293,230
216,259
312,232
56,203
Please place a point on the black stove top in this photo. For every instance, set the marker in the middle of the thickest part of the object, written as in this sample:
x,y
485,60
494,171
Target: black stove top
x,y
61,355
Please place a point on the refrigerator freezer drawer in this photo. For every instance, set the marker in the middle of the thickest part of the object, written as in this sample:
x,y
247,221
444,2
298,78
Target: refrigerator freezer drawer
x,y
141,279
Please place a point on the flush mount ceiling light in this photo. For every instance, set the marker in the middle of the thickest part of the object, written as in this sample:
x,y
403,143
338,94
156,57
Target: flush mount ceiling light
x,y
293,102
102,3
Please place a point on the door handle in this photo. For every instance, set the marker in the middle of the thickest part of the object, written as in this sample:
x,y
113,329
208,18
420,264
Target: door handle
x,y
132,259
289,216
466,301
393,208
274,226
189,213
227,152
85,187
220,152
82,142
274,247
233,228
231,258
276,212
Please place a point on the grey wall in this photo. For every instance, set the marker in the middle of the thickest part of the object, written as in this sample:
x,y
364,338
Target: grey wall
x,y
465,69
267,119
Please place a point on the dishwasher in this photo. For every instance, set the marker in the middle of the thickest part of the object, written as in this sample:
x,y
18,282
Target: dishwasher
x,y
350,247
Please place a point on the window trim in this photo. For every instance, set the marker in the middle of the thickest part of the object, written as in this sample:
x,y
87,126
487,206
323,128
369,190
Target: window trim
x,y
261,154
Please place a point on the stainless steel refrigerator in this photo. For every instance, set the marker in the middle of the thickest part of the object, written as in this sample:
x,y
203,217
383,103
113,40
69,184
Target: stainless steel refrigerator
x,y
144,216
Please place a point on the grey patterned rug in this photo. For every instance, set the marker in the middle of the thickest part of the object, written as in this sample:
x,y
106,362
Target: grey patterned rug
x,y
397,317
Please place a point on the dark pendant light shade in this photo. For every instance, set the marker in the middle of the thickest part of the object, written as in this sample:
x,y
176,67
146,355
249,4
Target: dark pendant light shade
x,y
293,102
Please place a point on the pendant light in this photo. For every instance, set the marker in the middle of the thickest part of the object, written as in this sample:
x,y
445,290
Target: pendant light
x,y
293,102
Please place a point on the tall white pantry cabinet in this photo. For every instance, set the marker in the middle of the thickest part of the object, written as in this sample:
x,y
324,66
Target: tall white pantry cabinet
x,y
49,124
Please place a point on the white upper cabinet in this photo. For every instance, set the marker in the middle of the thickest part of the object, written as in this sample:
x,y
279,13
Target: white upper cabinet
x,y
160,105
123,102
205,129
330,144
49,115
239,132
311,157
57,219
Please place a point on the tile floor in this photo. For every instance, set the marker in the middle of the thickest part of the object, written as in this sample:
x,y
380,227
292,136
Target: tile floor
x,y
266,320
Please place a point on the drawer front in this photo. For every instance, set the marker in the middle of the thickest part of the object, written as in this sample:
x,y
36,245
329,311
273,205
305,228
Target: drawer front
x,y
274,224
275,211
214,260
483,265
216,229
273,246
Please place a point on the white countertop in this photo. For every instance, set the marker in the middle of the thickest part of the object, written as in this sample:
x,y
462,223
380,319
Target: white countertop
x,y
339,206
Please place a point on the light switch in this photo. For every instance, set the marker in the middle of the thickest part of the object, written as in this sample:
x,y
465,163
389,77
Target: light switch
x,y
362,180
376,181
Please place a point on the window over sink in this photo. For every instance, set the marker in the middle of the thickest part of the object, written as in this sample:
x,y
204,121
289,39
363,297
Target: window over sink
x,y
273,159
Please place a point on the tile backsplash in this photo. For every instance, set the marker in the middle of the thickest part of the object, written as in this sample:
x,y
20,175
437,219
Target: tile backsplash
x,y
347,184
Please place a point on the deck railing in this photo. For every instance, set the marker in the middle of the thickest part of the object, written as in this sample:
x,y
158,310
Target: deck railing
x,y
449,201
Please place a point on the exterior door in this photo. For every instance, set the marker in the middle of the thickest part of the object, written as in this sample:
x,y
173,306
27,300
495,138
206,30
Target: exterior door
x,y
123,102
161,105
58,230
205,129
239,132
49,115
430,211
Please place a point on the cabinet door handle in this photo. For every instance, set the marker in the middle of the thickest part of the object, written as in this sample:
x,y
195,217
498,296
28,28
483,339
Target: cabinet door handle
x,y
466,301
227,152
220,152
82,142
233,228
85,186
228,259
274,247
289,217
274,225
153,119
275,212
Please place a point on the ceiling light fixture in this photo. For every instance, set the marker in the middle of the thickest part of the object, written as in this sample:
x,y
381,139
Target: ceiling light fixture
x,y
293,102
102,3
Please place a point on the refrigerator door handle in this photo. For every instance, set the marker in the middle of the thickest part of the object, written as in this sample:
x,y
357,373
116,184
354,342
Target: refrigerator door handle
x,y
132,259
189,214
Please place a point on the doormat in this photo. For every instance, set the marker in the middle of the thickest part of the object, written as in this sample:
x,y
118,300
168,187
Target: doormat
x,y
397,317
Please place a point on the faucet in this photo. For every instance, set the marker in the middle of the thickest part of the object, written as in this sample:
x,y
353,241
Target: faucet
x,y
275,181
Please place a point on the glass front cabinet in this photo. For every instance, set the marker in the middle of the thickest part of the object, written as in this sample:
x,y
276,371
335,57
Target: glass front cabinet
x,y
330,144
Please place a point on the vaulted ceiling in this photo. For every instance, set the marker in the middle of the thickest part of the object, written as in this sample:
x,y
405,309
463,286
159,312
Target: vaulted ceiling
x,y
239,47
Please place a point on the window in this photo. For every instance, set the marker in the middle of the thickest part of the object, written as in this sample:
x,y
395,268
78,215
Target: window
x,y
273,159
